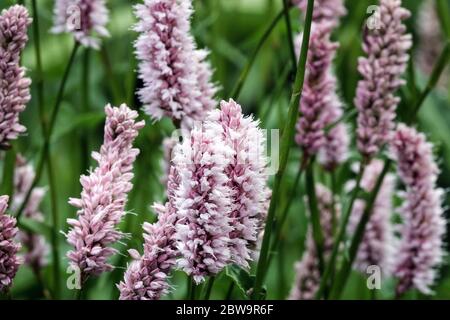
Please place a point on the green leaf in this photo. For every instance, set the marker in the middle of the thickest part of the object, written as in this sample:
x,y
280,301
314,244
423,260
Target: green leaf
x,y
243,280
33,226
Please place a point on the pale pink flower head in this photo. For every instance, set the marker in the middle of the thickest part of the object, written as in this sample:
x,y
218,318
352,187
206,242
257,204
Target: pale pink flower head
x,y
104,195
85,19
307,279
9,260
247,178
328,11
420,251
377,246
386,47
15,87
176,75
203,202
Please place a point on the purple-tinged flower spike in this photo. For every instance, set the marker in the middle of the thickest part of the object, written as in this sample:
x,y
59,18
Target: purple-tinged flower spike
x,y
203,201
377,246
247,178
35,245
176,75
420,251
9,260
85,19
386,47
320,105
104,195
329,11
146,277
15,87
307,278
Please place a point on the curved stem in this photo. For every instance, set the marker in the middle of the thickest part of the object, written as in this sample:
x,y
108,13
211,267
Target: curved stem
x,y
286,142
287,19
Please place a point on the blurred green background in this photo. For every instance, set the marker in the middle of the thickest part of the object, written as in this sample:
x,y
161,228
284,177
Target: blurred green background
x,y
230,29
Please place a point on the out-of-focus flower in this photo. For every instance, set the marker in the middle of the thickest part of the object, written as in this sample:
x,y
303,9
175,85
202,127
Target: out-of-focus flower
x,y
386,47
9,260
377,246
203,201
420,251
176,75
104,195
35,245
85,19
15,87
307,278
247,178
329,11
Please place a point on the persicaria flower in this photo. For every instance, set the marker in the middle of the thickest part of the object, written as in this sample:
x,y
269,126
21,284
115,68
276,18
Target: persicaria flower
x,y
247,178
203,201
377,246
176,75
9,260
421,248
35,245
15,87
85,19
386,47
104,195
307,278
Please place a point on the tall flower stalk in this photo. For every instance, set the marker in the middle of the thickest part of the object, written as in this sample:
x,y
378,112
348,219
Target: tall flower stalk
x,y
104,196
15,86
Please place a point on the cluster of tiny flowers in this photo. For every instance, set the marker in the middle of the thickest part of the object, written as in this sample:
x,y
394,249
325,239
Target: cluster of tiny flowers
x,y
431,40
104,195
176,75
307,278
420,251
247,178
329,11
146,276
386,46
203,202
320,106
14,86
377,246
9,260
85,19
35,245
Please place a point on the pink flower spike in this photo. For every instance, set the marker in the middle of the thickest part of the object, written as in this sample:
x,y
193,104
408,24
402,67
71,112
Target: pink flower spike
x,y
9,260
15,87
85,19
328,11
386,47
420,251
176,75
104,194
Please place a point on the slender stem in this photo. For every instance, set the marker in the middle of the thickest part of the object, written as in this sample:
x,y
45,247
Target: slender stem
x,y
115,89
209,287
193,290
230,291
287,18
346,116
340,235
7,186
245,72
342,276
444,16
334,218
49,131
315,215
286,142
85,108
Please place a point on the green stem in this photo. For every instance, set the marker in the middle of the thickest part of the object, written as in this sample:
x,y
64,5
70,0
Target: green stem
x,y
209,287
115,89
192,291
439,67
444,16
334,217
287,18
286,142
7,186
85,108
315,215
245,72
342,277
341,235
230,291
46,147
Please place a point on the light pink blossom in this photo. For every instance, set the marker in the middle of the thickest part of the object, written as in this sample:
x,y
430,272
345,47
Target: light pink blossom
x,y
104,195
85,19
421,250
176,75
15,87
386,47
9,260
